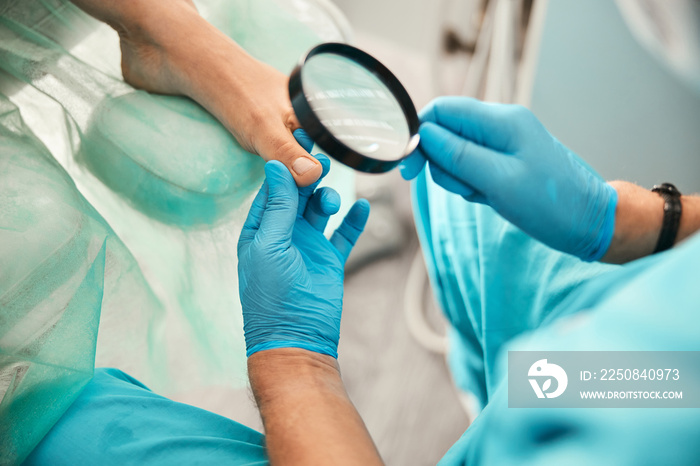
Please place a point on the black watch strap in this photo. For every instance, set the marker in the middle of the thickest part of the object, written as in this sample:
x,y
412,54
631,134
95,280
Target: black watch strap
x,y
672,215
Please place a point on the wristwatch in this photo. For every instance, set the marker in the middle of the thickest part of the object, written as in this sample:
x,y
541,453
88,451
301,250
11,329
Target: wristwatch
x,y
672,215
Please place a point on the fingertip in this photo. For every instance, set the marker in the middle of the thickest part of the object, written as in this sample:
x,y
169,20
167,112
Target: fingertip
x,y
412,165
431,112
351,228
427,113
277,173
324,203
325,163
436,142
330,201
359,212
429,130
303,139
274,168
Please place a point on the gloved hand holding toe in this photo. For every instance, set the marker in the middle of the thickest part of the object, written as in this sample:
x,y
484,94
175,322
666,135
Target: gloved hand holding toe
x,y
291,275
502,156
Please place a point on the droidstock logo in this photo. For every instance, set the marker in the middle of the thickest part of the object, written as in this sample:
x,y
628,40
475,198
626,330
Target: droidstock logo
x,y
544,371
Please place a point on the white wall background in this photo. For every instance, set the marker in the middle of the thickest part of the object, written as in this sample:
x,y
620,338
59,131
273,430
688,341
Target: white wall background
x,y
403,34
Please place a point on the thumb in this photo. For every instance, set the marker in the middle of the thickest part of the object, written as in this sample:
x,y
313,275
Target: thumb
x,y
304,140
277,222
478,167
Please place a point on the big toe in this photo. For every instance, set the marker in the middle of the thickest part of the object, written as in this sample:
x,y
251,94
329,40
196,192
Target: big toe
x,y
304,167
306,170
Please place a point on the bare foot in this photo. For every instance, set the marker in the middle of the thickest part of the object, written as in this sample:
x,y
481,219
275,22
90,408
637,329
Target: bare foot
x,y
168,48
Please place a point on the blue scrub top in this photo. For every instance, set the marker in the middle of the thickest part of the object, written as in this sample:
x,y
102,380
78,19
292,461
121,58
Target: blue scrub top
x,y
116,420
502,290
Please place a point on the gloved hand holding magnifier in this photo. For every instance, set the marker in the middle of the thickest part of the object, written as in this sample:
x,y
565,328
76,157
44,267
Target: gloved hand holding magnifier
x,y
354,108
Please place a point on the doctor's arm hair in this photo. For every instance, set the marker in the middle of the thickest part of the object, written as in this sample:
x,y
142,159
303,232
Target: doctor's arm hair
x,y
308,416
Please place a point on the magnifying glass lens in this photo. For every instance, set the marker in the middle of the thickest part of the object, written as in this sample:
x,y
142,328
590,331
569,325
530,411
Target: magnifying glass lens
x,y
355,106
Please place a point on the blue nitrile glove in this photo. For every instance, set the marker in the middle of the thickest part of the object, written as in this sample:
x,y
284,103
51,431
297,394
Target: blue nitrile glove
x,y
290,274
502,156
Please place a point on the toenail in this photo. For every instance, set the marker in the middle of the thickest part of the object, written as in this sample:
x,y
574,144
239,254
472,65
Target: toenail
x,y
302,165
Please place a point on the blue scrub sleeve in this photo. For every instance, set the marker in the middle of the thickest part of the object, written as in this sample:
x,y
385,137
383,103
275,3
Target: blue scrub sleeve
x,y
492,281
647,305
118,421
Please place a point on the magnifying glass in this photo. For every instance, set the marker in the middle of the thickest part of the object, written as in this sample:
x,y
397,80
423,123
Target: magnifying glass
x,y
354,108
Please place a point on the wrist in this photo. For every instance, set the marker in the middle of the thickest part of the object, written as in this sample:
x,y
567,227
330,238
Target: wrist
x,y
690,220
330,349
638,220
605,223
278,373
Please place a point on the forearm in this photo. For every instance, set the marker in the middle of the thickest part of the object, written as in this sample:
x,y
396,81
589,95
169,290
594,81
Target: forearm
x,y
307,414
638,220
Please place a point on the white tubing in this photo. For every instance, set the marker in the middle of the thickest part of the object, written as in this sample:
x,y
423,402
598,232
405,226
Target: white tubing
x,y
476,73
415,311
531,48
